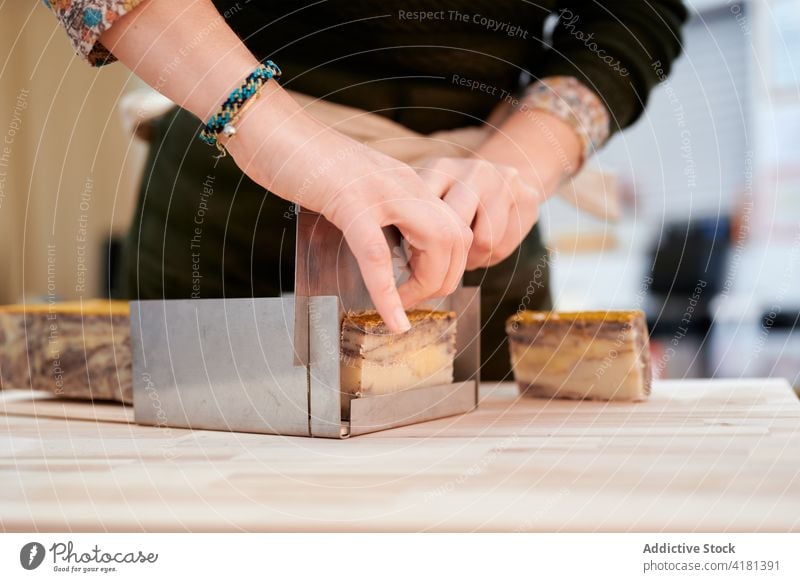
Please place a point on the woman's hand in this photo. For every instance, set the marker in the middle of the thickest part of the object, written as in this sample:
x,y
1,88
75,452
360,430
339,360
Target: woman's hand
x,y
360,191
493,199
498,191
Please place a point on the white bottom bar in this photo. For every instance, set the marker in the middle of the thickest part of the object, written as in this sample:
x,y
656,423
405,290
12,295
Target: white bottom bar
x,y
388,557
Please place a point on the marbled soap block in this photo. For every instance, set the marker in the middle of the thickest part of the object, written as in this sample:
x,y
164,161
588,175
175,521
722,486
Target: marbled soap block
x,y
71,349
375,361
593,355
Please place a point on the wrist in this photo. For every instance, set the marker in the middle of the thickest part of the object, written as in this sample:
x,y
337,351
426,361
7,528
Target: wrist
x,y
261,130
543,148
277,144
573,103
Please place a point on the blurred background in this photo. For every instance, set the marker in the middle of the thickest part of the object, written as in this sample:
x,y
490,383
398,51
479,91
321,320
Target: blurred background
x,y
708,236
705,238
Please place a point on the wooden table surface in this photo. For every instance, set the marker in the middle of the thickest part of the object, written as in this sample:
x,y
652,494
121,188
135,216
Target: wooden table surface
x,y
698,456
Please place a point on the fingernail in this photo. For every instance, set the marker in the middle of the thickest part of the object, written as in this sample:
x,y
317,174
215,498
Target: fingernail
x,y
401,320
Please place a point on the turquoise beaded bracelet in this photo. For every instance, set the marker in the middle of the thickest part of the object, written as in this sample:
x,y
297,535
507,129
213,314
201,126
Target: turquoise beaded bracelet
x,y
222,122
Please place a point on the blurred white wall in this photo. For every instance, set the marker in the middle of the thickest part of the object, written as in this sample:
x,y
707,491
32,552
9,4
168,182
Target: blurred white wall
x,y
68,171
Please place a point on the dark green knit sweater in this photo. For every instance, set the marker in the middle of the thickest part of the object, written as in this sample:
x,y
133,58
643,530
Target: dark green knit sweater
x,y
399,57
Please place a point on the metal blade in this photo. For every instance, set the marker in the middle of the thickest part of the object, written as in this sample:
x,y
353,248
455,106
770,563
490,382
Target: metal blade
x,y
219,364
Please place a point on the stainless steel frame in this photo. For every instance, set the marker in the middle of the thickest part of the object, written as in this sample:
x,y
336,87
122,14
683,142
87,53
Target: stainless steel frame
x,y
271,365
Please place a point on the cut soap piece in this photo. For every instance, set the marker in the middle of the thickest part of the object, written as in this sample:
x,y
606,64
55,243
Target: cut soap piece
x,y
595,355
376,361
72,349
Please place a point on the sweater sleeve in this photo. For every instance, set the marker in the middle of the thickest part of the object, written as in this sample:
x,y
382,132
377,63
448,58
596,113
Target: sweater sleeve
x,y
85,20
619,50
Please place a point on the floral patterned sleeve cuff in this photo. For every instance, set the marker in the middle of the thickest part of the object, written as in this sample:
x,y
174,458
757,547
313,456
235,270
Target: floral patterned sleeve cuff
x,y
86,20
576,104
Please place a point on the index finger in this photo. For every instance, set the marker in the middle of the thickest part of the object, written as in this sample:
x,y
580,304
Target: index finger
x,y
368,245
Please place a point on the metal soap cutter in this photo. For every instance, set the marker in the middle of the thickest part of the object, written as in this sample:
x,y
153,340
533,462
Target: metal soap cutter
x,y
271,365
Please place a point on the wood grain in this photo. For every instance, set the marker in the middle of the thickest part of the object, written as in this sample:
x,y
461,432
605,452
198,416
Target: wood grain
x,y
698,456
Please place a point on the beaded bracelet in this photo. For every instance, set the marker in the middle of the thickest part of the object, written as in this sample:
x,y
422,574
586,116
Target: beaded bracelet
x,y
236,104
573,102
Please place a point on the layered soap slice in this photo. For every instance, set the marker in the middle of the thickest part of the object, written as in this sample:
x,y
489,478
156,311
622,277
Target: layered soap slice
x,y
595,355
376,361
73,349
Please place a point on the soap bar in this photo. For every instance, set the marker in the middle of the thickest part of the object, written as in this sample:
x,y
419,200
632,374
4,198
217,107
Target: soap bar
x,y
376,361
72,349
593,355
